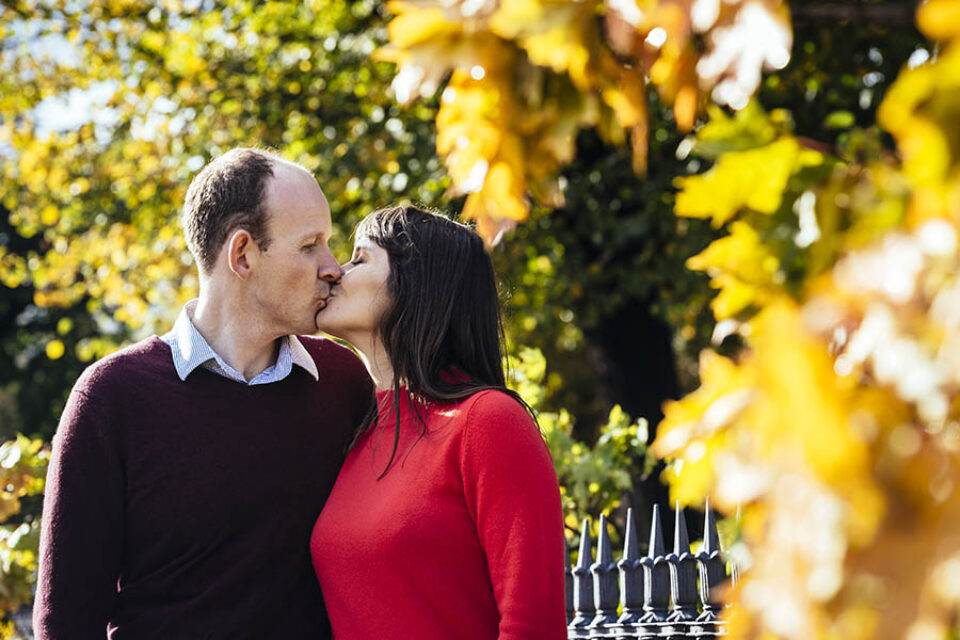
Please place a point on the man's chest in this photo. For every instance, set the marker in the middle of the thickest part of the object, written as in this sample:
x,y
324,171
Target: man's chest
x,y
199,473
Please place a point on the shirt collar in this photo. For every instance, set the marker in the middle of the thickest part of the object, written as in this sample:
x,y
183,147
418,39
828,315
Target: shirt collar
x,y
191,350
300,356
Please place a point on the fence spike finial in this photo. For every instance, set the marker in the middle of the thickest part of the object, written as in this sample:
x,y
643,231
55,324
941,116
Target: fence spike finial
x,y
604,552
711,568
683,573
711,539
631,547
631,575
586,546
656,535
583,604
656,579
681,541
604,580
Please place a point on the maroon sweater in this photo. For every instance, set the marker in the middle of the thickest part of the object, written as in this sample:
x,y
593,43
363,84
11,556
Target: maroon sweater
x,y
183,509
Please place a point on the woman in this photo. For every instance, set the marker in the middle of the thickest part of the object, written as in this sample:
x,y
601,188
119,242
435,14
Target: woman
x,y
445,520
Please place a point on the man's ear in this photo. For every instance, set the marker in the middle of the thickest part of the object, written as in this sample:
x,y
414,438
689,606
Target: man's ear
x,y
242,253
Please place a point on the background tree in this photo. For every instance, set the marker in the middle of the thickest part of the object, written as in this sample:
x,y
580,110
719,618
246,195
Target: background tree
x,y
541,113
106,112
108,109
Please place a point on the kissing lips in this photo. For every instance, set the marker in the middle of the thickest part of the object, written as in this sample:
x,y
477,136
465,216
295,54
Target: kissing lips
x,y
324,301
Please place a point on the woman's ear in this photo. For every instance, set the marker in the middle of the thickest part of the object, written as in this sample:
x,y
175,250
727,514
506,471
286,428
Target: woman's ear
x,y
242,253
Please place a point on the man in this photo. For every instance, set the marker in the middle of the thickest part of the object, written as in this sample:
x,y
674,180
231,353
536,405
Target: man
x,y
188,470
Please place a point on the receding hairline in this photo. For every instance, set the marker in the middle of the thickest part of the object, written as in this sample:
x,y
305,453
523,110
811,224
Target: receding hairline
x,y
280,166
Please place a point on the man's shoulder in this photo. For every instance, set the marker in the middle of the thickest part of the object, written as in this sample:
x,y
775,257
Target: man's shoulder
x,y
328,352
127,365
340,369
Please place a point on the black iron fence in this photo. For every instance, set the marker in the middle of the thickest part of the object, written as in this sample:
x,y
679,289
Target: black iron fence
x,y
659,595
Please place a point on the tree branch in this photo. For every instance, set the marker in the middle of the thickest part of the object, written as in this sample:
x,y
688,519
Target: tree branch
x,y
886,14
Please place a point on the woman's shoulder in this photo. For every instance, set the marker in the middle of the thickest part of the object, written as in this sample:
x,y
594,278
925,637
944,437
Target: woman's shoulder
x,y
498,432
494,414
493,403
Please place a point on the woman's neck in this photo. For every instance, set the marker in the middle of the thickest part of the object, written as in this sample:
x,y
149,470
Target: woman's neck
x,y
378,363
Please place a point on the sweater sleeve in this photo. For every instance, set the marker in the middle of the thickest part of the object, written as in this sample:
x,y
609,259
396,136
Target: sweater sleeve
x,y
81,539
511,492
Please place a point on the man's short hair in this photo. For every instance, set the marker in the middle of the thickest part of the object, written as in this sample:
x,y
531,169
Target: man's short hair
x,y
227,194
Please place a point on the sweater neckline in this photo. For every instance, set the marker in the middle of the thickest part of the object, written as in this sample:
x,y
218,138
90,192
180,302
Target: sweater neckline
x,y
223,383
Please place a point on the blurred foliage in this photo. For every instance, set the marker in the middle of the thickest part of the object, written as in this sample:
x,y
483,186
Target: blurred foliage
x,y
23,467
593,479
841,417
614,244
106,112
522,77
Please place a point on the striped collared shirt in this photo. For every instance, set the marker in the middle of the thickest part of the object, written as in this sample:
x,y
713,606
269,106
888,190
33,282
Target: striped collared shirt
x,y
190,350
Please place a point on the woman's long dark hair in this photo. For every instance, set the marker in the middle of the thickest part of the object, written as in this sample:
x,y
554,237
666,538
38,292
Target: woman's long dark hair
x,y
442,328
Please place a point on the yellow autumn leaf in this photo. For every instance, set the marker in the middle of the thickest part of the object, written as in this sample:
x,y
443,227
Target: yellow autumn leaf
x,y
555,35
918,112
939,19
470,128
55,349
687,419
416,26
692,473
628,101
514,17
499,205
808,407
694,429
734,296
49,215
685,106
557,50
741,267
753,179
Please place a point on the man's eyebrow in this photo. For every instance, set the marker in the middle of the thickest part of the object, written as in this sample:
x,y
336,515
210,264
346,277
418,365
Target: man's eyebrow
x,y
314,235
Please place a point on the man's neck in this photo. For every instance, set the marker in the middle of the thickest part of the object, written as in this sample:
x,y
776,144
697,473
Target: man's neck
x,y
240,341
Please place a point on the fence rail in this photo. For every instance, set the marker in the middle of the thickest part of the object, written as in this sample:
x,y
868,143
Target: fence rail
x,y
660,595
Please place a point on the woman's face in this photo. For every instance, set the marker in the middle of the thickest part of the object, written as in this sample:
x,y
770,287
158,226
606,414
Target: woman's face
x,y
358,301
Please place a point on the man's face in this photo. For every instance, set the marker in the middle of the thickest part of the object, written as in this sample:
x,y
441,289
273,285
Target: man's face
x,y
294,274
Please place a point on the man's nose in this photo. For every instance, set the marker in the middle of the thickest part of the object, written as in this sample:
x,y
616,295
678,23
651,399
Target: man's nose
x,y
330,269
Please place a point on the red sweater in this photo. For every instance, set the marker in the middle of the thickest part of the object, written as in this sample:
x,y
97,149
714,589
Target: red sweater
x,y
462,538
